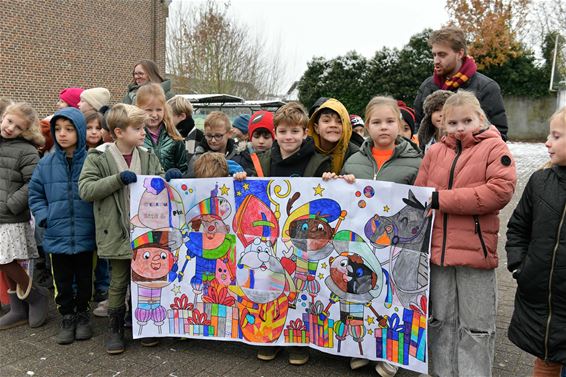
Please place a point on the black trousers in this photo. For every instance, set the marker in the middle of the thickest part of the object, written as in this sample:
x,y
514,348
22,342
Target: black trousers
x,y
69,269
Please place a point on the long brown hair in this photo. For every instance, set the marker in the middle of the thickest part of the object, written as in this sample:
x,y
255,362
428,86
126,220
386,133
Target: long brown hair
x,y
151,69
151,91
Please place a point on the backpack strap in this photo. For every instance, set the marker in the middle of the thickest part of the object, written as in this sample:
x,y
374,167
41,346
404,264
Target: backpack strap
x,y
257,165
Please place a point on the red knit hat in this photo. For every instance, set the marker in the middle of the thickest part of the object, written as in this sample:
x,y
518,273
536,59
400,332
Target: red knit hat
x,y
408,115
261,119
71,96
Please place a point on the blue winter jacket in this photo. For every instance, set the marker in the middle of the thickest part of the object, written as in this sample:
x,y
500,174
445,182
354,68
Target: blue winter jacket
x,y
54,194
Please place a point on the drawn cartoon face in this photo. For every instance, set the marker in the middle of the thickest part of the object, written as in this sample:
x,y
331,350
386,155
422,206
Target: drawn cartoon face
x,y
349,272
152,263
213,229
223,275
160,206
312,234
260,275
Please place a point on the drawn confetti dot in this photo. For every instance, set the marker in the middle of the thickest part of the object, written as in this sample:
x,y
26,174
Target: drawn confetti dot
x,y
184,187
358,194
304,304
396,309
190,190
362,204
369,192
303,297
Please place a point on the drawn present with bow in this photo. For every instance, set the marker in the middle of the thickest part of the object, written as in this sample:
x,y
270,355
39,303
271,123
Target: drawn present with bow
x,y
321,328
297,332
198,324
219,306
181,310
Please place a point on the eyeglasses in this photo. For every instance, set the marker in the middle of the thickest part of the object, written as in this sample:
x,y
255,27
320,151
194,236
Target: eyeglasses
x,y
139,73
216,137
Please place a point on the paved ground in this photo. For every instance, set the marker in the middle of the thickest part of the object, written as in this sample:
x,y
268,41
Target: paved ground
x,y
35,353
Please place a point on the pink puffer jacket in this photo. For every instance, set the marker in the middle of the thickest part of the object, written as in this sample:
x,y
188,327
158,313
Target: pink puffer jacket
x,y
474,177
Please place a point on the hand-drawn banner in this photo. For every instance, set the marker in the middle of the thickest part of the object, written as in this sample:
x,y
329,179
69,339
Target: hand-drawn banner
x,y
343,268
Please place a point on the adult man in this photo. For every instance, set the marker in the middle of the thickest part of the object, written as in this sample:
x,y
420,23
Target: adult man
x,y
454,69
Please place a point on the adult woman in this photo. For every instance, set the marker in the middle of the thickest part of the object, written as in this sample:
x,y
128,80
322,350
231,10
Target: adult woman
x,y
146,71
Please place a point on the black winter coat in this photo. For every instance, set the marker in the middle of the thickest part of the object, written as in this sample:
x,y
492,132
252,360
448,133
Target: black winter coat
x,y
536,249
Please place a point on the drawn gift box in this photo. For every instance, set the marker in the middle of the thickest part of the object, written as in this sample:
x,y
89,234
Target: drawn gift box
x,y
399,341
180,311
219,308
296,332
321,331
198,324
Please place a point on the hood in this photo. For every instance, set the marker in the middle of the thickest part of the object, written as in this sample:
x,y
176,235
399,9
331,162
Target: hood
x,y
404,148
470,139
78,120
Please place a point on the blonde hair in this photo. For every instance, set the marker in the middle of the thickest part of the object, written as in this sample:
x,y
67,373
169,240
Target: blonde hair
x,y
151,91
25,111
211,165
384,101
4,103
292,113
181,105
465,98
217,118
559,115
123,116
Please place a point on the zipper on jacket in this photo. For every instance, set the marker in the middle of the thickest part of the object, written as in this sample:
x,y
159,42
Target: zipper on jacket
x,y
477,230
450,184
547,333
70,198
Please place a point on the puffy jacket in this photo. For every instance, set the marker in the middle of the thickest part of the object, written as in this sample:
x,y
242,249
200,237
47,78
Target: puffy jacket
x,y
402,167
474,177
18,159
54,194
487,92
100,183
171,153
130,97
536,246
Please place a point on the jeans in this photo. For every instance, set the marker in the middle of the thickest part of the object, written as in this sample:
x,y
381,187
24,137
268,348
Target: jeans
x,y
101,275
462,330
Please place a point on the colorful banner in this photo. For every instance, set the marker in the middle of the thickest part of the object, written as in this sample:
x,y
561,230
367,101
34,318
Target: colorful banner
x,y
343,268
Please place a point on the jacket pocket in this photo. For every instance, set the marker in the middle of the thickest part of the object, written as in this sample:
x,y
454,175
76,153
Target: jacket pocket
x,y
477,230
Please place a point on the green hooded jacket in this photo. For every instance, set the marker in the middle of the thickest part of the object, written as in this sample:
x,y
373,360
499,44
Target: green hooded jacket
x,y
171,153
130,97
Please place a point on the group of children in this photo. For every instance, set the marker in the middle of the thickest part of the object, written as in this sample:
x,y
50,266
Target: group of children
x,y
78,195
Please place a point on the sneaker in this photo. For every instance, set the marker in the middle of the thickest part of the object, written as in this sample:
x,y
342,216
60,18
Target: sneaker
x,y
102,309
385,369
357,363
84,329
149,342
100,296
298,355
66,334
267,353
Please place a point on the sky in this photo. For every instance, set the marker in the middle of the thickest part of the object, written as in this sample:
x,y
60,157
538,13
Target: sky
x,y
302,29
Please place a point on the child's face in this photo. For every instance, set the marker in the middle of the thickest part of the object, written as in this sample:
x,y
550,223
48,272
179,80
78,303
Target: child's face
x,y
383,127
329,128
85,106
359,130
12,126
132,136
289,137
62,104
406,130
140,75
556,142
93,132
217,136
66,135
462,119
155,110
238,134
261,140
436,118
178,118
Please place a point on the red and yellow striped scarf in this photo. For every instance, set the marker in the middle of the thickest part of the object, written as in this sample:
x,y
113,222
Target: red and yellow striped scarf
x,y
466,71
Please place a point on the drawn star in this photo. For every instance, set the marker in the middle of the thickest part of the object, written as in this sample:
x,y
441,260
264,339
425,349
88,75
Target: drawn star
x,y
238,193
318,190
176,289
386,208
224,189
370,320
321,276
324,265
246,186
370,332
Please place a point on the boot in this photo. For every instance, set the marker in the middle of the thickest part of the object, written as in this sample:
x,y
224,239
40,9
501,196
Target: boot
x,y
84,329
38,303
18,314
115,335
66,334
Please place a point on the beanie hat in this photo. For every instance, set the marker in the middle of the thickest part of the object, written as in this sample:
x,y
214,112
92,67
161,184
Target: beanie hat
x,y
96,97
356,121
71,96
241,123
316,105
261,119
408,115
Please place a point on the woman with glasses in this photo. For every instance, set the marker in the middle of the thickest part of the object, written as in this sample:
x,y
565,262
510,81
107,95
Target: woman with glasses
x,y
146,71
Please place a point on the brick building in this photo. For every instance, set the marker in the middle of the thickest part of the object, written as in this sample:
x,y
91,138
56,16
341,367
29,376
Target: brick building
x,y
52,44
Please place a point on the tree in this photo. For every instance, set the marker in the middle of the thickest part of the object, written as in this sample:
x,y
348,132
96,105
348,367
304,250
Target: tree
x,y
209,52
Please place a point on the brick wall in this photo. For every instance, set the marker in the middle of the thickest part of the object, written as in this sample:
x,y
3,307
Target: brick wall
x,y
48,45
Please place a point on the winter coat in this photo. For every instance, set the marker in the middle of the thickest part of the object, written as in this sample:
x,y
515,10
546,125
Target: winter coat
x,y
100,183
474,177
171,153
130,97
402,167
18,159
203,148
487,92
54,194
536,247
244,159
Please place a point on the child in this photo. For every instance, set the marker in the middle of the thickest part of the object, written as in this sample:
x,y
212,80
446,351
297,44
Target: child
x,y
407,122
94,99
19,131
94,122
161,135
474,175
182,110
261,135
357,125
430,130
216,138
536,254
211,165
68,223
330,128
69,97
107,171
240,131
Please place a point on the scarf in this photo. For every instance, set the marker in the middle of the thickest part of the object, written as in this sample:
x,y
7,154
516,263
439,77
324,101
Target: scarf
x,y
466,71
135,166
